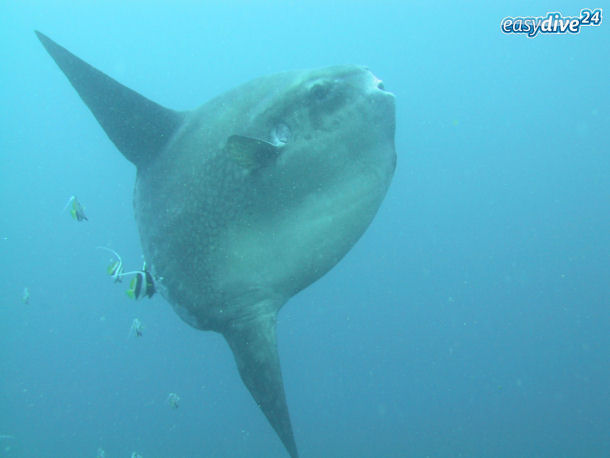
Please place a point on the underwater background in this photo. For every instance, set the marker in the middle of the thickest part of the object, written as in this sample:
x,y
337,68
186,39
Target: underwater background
x,y
471,320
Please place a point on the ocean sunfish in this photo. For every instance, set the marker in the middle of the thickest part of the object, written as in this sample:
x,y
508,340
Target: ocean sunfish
x,y
246,200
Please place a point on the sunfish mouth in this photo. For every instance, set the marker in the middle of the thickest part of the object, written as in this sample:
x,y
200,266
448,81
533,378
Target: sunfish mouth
x,y
377,83
381,88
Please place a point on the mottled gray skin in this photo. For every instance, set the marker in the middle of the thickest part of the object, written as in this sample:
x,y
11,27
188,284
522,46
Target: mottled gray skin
x,y
230,243
232,230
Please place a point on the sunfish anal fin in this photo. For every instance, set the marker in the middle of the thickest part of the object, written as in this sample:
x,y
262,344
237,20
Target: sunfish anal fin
x,y
254,346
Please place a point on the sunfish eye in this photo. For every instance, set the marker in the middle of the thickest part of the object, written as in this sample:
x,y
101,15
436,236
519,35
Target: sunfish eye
x,y
280,134
319,91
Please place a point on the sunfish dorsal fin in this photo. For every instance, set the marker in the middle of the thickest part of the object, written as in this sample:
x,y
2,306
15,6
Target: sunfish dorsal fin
x,y
138,127
254,346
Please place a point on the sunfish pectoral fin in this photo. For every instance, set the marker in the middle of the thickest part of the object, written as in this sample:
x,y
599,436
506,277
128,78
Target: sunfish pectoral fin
x,y
254,346
138,127
251,153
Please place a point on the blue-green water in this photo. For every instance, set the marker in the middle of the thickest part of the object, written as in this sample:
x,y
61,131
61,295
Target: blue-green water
x,y
473,317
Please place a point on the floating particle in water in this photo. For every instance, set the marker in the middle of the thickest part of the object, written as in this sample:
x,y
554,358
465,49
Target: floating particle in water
x,y
25,296
136,328
173,399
